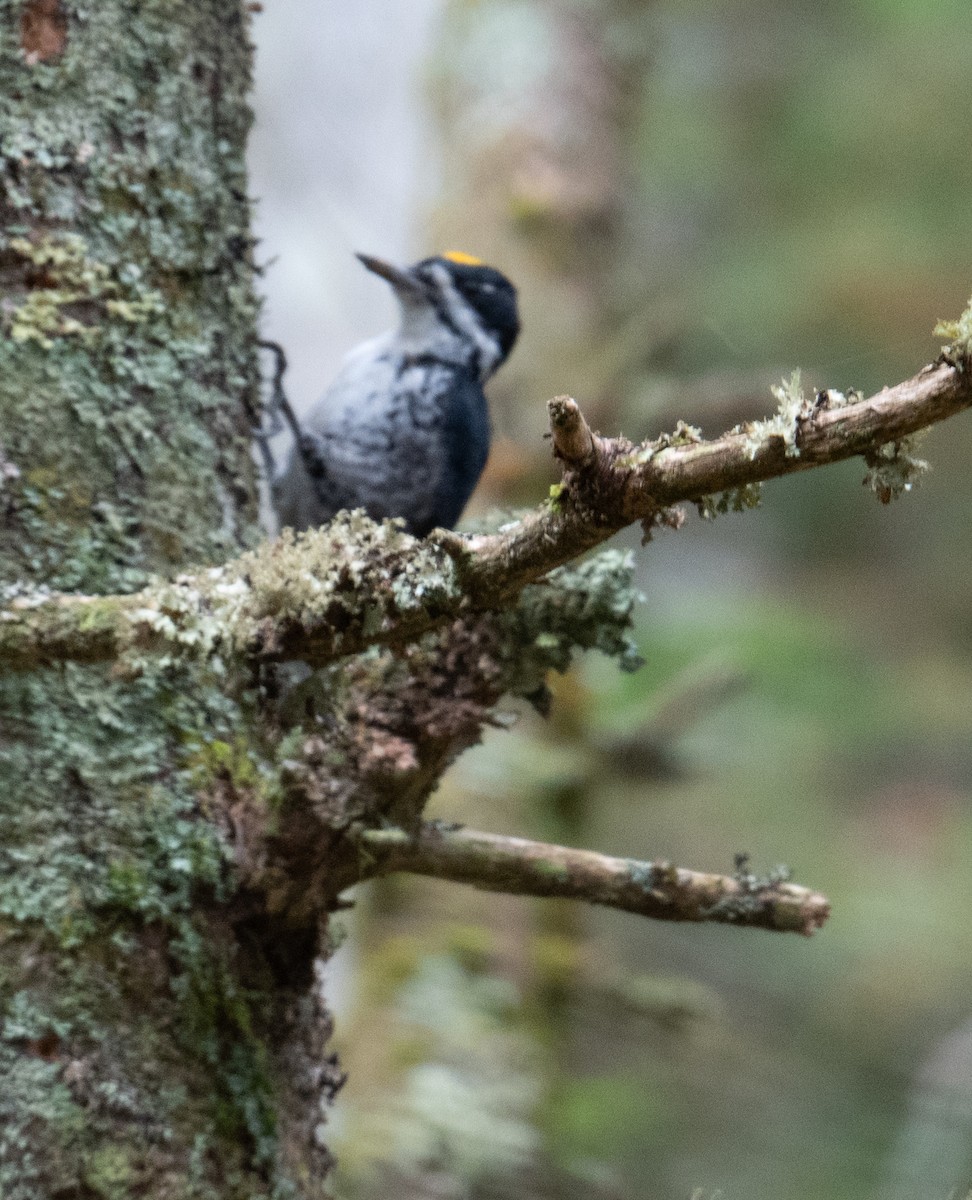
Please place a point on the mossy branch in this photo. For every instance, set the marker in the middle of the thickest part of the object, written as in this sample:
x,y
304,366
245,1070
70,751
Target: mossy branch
x,y
332,592
652,889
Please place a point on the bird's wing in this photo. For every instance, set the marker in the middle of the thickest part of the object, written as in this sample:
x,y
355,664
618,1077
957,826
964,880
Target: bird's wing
x,y
466,438
373,441
397,437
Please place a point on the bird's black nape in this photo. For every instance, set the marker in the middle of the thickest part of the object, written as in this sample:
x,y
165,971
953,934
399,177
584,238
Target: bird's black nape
x,y
487,291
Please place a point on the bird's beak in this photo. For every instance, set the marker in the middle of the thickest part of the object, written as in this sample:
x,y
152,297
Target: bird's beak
x,y
401,279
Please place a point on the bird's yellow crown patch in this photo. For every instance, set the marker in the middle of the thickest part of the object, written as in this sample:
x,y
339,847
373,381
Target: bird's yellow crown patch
x,y
465,260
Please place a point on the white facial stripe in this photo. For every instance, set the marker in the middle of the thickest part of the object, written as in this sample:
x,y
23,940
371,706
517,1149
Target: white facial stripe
x,y
467,319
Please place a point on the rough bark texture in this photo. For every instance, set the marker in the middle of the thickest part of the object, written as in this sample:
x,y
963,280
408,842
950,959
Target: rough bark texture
x,y
150,1044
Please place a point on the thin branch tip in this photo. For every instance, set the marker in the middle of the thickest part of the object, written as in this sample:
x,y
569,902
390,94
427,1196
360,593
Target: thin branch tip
x,y
519,866
573,442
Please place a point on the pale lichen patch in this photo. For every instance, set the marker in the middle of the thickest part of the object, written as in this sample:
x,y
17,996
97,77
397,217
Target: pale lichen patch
x,y
351,573
63,280
735,500
792,408
640,456
894,469
958,349
587,605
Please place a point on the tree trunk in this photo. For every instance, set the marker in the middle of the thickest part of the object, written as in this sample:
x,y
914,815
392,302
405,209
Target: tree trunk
x,y
153,1043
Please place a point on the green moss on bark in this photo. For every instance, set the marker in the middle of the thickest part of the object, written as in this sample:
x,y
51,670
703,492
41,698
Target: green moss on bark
x,y
136,1054
128,308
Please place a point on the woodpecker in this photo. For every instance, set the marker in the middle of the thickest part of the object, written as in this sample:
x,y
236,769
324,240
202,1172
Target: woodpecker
x,y
404,429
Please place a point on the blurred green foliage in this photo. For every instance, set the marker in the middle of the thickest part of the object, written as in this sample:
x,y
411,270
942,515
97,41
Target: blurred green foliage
x,y
820,152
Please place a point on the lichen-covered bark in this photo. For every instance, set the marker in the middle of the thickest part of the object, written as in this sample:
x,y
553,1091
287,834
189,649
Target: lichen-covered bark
x,y
144,1038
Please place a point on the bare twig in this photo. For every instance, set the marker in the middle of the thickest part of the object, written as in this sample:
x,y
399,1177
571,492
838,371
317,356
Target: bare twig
x,y
651,889
573,442
621,484
335,591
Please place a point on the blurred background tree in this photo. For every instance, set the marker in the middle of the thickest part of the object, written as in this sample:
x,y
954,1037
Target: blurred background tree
x,y
692,199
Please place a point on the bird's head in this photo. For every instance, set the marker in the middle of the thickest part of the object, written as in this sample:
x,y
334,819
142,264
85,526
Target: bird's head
x,y
471,301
